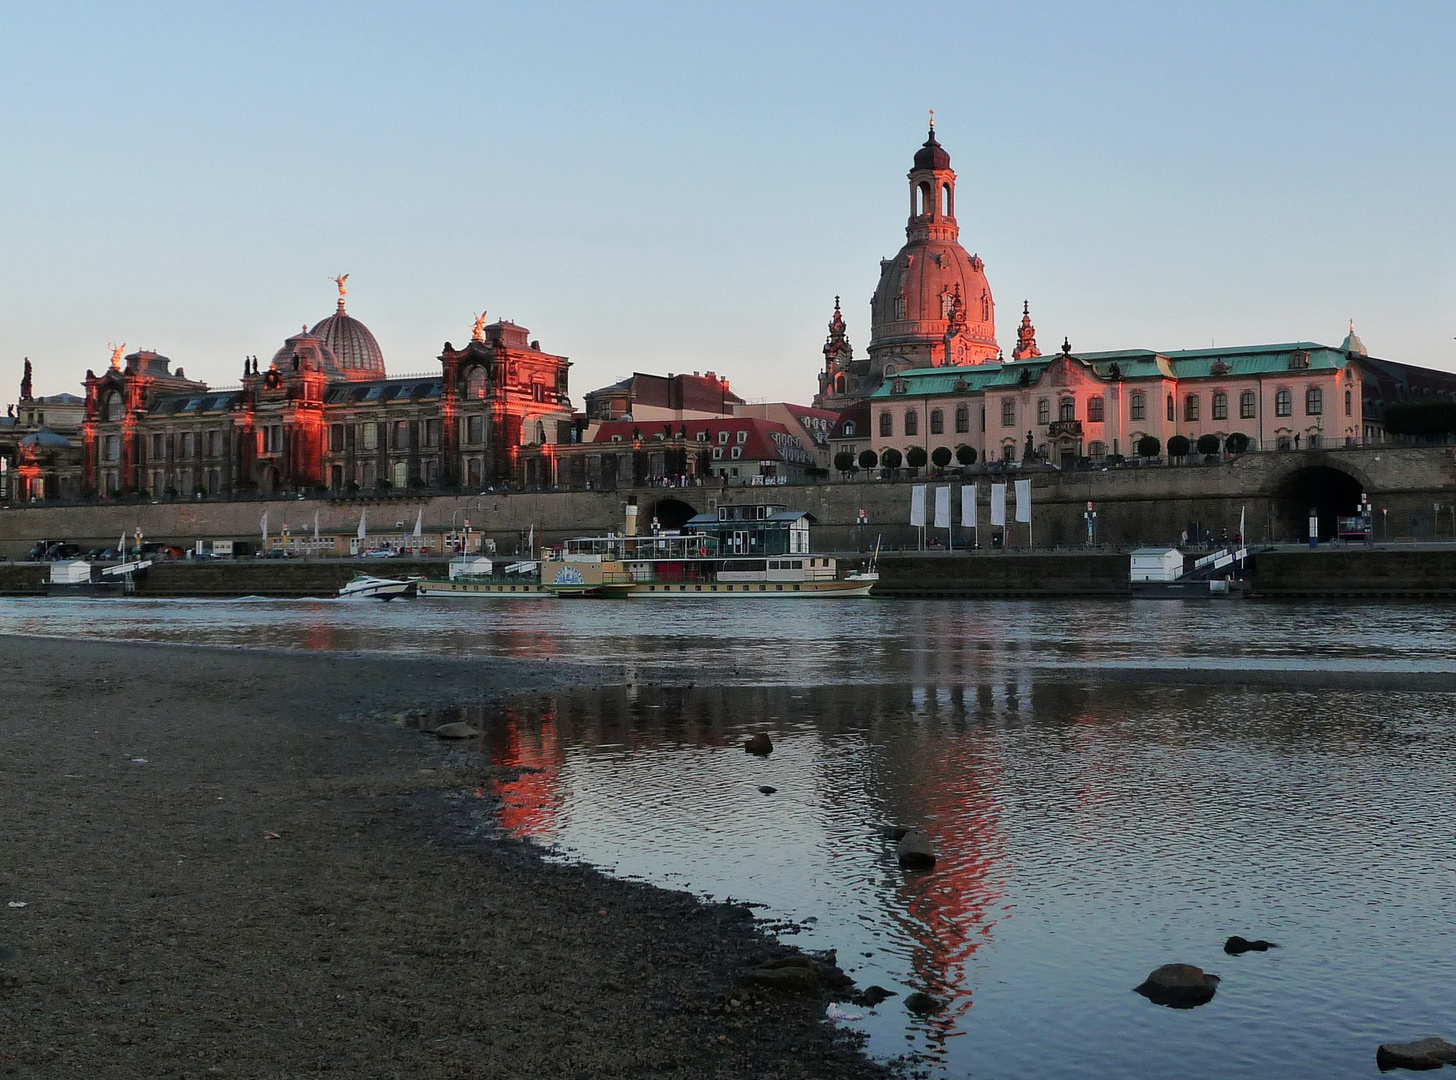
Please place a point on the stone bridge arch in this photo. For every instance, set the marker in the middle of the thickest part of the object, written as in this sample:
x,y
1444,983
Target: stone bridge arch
x,y
671,513
1318,482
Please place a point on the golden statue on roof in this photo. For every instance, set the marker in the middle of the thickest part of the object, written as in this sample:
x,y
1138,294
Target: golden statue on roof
x,y
478,333
339,281
116,351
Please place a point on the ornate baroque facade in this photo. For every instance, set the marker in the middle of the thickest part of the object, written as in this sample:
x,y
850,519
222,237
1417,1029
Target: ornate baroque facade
x,y
324,415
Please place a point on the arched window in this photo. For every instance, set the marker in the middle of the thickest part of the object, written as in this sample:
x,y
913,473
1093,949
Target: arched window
x,y
1094,410
1138,409
912,422
1043,411
887,425
1349,404
839,384
962,419
540,432
401,474
1246,405
1220,406
945,200
985,307
1172,409
113,407
1283,403
1314,401
1096,450
1008,412
1190,407
477,382
1067,409
937,422
900,306
926,200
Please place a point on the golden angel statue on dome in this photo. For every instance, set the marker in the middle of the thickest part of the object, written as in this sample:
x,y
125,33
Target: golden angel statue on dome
x,y
478,333
116,351
339,281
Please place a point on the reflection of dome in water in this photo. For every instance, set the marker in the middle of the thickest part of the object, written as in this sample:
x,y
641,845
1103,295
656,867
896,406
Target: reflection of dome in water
x,y
353,346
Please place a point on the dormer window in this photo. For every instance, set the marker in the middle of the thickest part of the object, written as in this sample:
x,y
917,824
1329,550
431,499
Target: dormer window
x,y
1299,359
898,386
723,437
742,437
702,436
848,428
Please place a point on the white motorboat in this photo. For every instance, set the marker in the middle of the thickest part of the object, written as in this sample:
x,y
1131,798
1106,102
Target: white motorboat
x,y
377,588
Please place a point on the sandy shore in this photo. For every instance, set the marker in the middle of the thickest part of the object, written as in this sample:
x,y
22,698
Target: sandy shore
x,y
165,934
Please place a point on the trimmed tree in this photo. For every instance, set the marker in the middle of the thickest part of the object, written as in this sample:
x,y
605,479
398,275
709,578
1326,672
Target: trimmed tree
x,y
1149,446
1207,444
1237,443
891,459
868,459
966,455
1178,446
916,457
941,456
844,461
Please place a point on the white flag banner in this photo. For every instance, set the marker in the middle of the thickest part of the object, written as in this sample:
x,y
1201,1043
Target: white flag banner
x,y
969,512
942,508
315,526
264,526
360,531
998,504
917,505
419,522
1023,500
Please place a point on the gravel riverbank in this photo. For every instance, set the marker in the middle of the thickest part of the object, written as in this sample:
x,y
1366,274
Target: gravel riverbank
x,y
231,863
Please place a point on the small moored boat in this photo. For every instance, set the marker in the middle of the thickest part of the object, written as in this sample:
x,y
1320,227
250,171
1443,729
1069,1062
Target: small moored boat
x,y
367,586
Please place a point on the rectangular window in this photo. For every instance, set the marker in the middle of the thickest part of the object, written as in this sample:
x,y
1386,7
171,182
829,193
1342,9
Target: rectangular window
x,y
188,445
1314,401
475,429
1246,405
1139,407
912,422
962,420
937,422
401,435
1094,410
111,448
1283,403
1044,411
1008,413
1172,410
336,438
370,432
214,445
159,447
1190,407
887,425
1220,406
1348,403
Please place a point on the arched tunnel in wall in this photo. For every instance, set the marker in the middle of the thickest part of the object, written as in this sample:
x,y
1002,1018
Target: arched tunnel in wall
x,y
670,514
1331,493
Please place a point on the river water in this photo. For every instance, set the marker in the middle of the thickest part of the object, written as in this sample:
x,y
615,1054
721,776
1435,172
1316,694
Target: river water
x,y
1094,817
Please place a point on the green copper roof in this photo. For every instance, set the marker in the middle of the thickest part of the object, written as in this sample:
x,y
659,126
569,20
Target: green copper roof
x,y
1132,364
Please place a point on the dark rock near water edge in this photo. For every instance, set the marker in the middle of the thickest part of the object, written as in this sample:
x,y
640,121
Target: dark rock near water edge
x,y
1236,945
759,744
1419,1055
767,790
800,973
455,731
873,995
915,851
923,1004
1179,986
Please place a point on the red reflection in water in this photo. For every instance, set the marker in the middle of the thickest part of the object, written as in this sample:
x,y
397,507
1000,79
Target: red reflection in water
x,y
529,804
949,912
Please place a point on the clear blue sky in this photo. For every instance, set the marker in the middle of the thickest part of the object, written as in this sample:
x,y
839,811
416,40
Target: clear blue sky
x,y
681,187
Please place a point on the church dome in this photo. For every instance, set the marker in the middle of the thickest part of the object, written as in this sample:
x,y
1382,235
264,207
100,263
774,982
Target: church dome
x,y
1353,344
356,353
932,155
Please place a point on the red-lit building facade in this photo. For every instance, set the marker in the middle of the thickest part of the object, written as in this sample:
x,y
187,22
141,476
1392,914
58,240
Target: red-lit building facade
x,y
324,415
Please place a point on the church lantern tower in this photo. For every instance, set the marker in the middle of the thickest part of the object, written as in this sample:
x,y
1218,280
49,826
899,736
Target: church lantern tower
x,y
911,313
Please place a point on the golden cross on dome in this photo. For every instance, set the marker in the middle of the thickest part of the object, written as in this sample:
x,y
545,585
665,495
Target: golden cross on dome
x,y
932,119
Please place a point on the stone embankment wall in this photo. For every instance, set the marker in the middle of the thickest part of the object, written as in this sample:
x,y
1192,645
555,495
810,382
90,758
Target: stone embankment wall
x,y
1134,506
1415,573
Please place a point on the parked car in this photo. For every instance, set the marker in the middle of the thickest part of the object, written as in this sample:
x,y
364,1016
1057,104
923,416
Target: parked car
x,y
38,550
380,553
110,555
94,555
60,551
